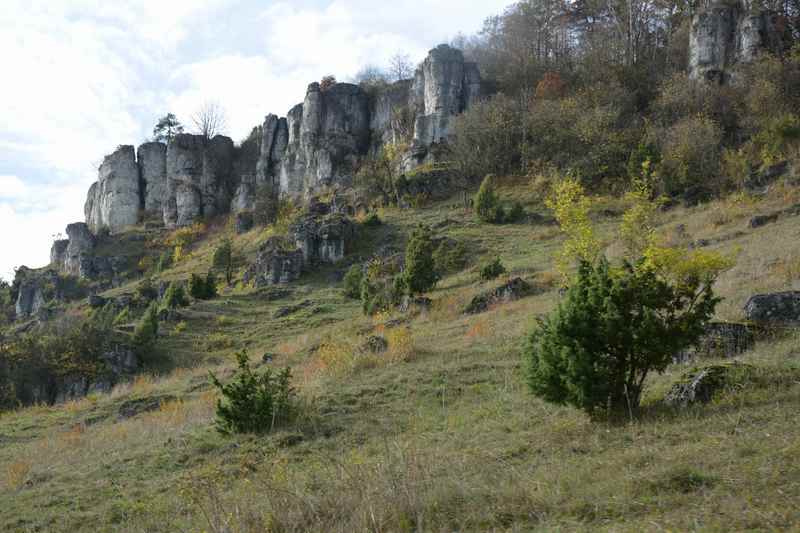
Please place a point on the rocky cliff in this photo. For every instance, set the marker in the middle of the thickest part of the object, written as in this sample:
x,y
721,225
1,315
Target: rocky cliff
x,y
724,35
114,200
320,142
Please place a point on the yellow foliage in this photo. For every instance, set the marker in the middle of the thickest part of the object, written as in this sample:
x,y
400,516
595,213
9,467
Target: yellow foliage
x,y
680,265
401,345
684,266
185,236
571,208
335,357
637,229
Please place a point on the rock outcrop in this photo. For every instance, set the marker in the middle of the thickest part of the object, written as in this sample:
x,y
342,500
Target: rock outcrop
x,y
114,200
725,35
275,264
58,253
321,142
36,289
30,297
199,178
80,251
323,239
509,291
699,385
391,116
720,340
444,86
780,308
327,135
116,364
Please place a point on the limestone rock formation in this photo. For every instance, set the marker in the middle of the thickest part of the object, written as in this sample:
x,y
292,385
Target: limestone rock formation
x,y
444,86
79,252
118,363
36,289
774,308
114,200
58,253
321,142
30,297
199,178
152,159
275,264
724,35
699,385
244,198
327,135
391,115
509,291
323,239
720,340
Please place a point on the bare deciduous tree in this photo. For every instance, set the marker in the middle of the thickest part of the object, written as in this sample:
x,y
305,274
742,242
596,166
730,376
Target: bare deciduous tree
x,y
210,120
400,67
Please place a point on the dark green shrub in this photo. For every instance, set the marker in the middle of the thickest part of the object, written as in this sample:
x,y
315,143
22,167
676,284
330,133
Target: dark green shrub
x,y
515,214
352,282
492,270
223,260
487,204
612,329
372,220
146,332
145,291
203,288
420,273
175,296
197,287
380,294
33,364
254,403
211,285
381,287
450,256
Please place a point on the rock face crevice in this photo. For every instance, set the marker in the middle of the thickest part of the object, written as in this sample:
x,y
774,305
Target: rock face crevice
x,y
152,160
725,35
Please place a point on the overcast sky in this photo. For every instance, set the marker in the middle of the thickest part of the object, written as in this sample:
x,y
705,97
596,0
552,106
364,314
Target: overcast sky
x,y
80,77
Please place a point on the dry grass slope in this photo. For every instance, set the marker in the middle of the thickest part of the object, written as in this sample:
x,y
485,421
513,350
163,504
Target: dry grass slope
x,y
440,433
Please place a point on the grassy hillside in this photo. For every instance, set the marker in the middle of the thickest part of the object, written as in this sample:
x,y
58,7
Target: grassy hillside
x,y
438,434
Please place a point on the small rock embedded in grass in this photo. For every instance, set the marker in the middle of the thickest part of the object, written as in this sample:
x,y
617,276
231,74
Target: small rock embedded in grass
x,y
508,292
291,309
699,385
131,408
375,344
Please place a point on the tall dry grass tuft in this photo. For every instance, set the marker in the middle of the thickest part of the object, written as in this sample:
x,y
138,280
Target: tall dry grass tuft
x,y
401,344
18,473
478,329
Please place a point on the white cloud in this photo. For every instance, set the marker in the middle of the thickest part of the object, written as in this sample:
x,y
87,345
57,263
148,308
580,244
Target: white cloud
x,y
32,220
11,187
